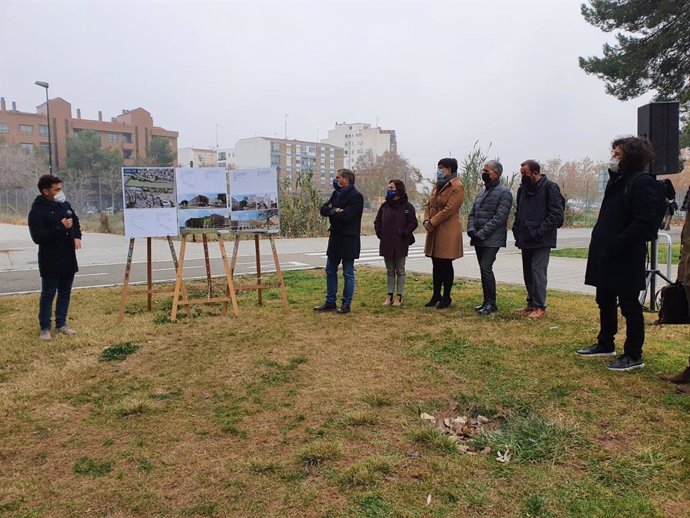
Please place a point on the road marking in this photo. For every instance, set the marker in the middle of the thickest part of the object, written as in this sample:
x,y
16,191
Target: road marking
x,y
90,274
186,267
287,266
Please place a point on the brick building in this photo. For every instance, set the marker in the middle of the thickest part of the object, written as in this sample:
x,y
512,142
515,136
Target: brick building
x,y
129,133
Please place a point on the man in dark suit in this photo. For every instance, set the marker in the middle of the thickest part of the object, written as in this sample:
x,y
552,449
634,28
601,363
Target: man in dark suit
x,y
55,229
344,211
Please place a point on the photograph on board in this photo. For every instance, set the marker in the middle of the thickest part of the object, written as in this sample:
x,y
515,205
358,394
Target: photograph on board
x,y
148,187
202,200
242,202
207,219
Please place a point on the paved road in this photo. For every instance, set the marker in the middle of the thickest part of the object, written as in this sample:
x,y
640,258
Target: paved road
x,y
103,257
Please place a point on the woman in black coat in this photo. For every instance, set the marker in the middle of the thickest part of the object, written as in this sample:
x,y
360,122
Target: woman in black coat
x,y
394,224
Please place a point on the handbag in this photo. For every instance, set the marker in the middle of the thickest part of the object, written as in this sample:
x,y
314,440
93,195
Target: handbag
x,y
412,240
673,308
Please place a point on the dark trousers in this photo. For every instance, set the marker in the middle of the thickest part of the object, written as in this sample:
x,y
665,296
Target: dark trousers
x,y
535,263
49,286
442,274
608,302
486,256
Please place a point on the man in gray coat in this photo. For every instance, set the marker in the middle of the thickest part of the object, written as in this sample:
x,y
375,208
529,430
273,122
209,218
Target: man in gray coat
x,y
487,227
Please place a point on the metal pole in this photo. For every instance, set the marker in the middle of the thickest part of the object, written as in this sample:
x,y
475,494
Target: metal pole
x,y
653,259
45,85
50,142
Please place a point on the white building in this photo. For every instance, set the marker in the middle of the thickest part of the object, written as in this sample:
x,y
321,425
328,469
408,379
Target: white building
x,y
226,158
357,138
291,156
196,157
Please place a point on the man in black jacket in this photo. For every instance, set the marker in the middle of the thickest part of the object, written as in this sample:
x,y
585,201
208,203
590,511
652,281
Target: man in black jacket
x,y
344,211
538,215
617,250
55,229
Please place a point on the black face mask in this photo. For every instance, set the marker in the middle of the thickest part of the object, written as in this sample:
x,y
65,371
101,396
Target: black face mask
x,y
485,178
527,181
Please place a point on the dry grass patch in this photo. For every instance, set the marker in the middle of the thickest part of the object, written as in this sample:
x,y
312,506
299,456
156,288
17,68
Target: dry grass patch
x,y
318,415
367,473
131,406
318,452
362,418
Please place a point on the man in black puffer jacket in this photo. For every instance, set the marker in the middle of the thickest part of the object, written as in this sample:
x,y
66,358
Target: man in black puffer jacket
x,y
617,250
487,229
55,229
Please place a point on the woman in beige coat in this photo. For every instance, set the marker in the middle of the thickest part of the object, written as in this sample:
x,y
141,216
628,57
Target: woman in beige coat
x,y
444,230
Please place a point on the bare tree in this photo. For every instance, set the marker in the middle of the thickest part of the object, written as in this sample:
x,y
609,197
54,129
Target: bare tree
x,y
19,173
18,168
375,172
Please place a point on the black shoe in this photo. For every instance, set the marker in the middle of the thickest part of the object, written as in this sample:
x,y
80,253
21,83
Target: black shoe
x,y
434,300
345,308
326,306
626,363
487,310
596,350
477,308
444,303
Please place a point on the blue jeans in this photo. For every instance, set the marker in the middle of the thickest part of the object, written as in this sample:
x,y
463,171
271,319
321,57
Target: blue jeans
x,y
332,280
49,286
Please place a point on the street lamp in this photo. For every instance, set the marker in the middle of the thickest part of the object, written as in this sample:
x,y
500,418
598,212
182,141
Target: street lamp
x,y
45,85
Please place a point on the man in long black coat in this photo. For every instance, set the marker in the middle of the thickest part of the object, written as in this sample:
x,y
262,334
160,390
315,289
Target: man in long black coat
x,y
617,251
344,211
55,229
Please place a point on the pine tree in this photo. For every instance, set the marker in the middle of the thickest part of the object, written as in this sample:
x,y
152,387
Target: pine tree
x,y
652,50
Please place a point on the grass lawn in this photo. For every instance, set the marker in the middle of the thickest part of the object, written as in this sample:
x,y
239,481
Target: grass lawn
x,y
581,253
310,415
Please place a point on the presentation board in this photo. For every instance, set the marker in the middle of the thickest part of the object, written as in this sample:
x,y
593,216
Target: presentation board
x,y
254,199
202,198
161,201
149,201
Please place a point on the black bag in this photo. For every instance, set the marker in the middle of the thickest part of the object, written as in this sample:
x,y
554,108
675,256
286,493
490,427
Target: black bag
x,y
673,308
412,240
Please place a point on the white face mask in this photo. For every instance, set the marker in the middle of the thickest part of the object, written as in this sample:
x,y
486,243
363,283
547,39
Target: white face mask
x,y
60,197
613,164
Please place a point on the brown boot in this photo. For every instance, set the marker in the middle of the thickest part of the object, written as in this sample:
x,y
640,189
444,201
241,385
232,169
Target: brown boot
x,y
683,377
683,389
526,310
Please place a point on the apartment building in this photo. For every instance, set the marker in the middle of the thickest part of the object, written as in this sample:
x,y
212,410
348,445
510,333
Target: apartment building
x,y
129,133
197,157
359,137
291,156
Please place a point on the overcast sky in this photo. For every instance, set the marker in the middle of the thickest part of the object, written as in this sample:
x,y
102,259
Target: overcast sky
x,y
443,74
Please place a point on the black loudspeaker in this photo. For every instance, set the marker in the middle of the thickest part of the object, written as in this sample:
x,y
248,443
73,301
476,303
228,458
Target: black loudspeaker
x,y
659,122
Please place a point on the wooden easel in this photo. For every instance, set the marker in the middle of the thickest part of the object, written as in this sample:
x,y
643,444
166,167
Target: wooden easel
x,y
260,286
230,295
149,292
